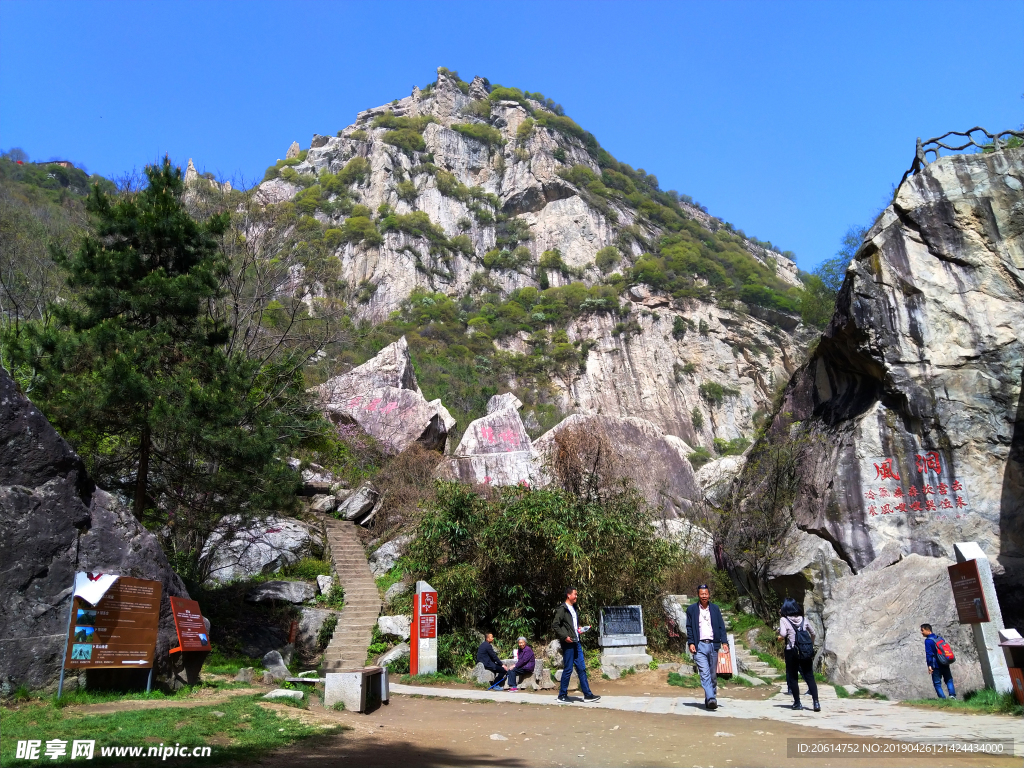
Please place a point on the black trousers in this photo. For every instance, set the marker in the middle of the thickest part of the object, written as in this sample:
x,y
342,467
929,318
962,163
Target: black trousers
x,y
795,665
498,670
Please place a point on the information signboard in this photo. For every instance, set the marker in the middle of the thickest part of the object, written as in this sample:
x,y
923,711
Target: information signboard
x,y
968,595
188,621
423,645
119,631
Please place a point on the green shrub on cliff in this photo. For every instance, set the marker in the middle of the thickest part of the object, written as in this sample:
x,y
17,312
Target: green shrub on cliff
x,y
480,132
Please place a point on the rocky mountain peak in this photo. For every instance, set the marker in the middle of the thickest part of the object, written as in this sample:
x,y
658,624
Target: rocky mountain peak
x,y
492,197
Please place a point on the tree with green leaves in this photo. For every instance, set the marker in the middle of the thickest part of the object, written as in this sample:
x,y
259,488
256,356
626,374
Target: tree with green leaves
x,y
503,559
821,287
134,371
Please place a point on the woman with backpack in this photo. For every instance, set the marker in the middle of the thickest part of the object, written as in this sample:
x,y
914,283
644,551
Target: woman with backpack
x,y
798,634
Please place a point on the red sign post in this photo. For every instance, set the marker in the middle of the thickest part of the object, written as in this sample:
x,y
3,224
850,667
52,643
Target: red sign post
x,y
188,621
423,645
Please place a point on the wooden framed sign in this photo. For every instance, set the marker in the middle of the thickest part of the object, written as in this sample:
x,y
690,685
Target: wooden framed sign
x,y
968,596
189,624
119,631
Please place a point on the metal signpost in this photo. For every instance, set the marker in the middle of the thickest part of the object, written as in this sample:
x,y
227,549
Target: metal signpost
x,y
423,648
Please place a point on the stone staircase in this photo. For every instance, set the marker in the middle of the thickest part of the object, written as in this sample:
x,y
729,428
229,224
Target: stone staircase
x,y
749,664
351,639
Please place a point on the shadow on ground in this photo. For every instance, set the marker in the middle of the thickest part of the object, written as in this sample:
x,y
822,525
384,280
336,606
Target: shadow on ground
x,y
340,750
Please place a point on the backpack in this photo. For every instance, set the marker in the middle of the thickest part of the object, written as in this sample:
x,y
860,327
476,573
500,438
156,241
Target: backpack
x,y
804,644
943,651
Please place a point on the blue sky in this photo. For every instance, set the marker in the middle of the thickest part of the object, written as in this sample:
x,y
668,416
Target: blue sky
x,y
792,120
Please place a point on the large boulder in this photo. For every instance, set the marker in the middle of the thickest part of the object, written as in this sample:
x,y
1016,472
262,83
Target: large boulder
x,y
55,522
357,506
399,625
400,651
495,449
310,622
655,461
296,592
912,400
872,629
241,549
386,555
383,398
715,478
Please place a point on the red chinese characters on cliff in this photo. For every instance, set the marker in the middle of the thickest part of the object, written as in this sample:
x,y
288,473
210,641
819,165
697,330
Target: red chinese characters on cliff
x,y
925,490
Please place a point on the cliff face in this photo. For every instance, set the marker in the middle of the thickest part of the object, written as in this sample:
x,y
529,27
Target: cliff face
x,y
492,178
914,394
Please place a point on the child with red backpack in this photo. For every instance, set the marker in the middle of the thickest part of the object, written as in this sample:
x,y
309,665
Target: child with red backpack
x,y
939,656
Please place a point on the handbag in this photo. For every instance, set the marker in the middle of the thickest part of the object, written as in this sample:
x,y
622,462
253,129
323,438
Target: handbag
x,y
724,661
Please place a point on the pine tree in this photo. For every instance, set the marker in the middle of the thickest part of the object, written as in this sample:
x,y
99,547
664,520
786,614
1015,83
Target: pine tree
x,y
134,373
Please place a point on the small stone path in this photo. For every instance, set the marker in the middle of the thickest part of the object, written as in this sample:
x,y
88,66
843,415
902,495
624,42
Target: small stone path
x,y
864,718
351,639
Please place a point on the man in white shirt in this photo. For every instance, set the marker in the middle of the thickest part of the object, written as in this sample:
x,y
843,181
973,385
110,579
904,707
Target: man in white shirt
x,y
566,626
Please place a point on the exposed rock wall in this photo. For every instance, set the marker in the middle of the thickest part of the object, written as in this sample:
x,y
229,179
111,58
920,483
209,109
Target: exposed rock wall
x,y
54,522
627,375
655,376
914,394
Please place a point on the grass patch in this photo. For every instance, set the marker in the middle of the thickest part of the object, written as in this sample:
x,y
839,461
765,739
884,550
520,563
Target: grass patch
x,y
308,568
434,678
219,663
245,731
389,579
684,681
985,701
735,680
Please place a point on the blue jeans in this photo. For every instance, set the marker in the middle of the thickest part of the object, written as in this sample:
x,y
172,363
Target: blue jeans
x,y
572,655
706,659
943,672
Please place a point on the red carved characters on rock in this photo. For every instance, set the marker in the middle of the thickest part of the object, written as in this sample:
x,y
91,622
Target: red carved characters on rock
x,y
929,462
884,471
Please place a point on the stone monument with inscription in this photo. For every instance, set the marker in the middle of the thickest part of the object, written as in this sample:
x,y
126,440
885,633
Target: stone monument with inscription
x,y
974,594
622,640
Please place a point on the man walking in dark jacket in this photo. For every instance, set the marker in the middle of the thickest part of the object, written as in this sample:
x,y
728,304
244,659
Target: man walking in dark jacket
x,y
566,626
705,635
486,655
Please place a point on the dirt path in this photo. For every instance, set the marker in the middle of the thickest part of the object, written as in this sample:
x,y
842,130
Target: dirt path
x,y
429,732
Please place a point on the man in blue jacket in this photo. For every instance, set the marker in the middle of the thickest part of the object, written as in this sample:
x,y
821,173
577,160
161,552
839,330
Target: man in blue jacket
x,y
705,635
939,670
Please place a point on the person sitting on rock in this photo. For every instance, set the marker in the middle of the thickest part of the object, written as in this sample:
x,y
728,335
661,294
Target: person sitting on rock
x,y
487,656
524,665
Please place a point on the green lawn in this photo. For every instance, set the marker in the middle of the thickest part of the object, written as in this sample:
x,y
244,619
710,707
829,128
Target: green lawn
x,y
236,730
984,701
434,678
